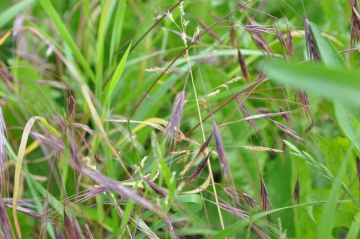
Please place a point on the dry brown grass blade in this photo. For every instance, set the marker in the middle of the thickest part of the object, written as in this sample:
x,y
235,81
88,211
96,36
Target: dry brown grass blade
x,y
355,24
5,225
156,188
265,200
297,191
243,66
123,191
196,173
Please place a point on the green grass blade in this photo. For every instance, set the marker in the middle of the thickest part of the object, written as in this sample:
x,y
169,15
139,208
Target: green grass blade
x,y
65,34
100,47
115,78
117,29
8,15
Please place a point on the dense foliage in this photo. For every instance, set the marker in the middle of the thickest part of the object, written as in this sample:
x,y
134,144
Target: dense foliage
x,y
190,119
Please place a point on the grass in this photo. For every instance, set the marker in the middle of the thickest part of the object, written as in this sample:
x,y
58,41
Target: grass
x,y
189,119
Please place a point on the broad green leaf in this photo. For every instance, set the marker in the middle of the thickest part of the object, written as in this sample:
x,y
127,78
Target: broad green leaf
x,y
333,84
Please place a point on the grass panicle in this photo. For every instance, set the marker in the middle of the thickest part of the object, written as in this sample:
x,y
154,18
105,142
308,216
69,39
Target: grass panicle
x,y
265,200
174,123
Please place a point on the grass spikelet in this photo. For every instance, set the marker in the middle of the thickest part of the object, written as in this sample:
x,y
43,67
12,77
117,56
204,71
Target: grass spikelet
x,y
170,227
88,232
237,212
311,46
286,117
204,146
297,191
290,45
355,23
243,66
257,37
247,115
224,165
265,200
281,40
174,122
123,191
249,200
288,131
155,187
70,112
197,171
77,228
5,225
70,231
4,177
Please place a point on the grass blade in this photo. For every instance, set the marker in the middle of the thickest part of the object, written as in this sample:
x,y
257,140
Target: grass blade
x,y
65,34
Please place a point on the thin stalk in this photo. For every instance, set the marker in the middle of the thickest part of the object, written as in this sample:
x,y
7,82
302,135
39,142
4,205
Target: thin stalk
x,y
206,151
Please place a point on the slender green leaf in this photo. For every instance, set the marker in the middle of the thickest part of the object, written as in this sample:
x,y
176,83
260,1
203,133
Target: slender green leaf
x,y
65,34
8,15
